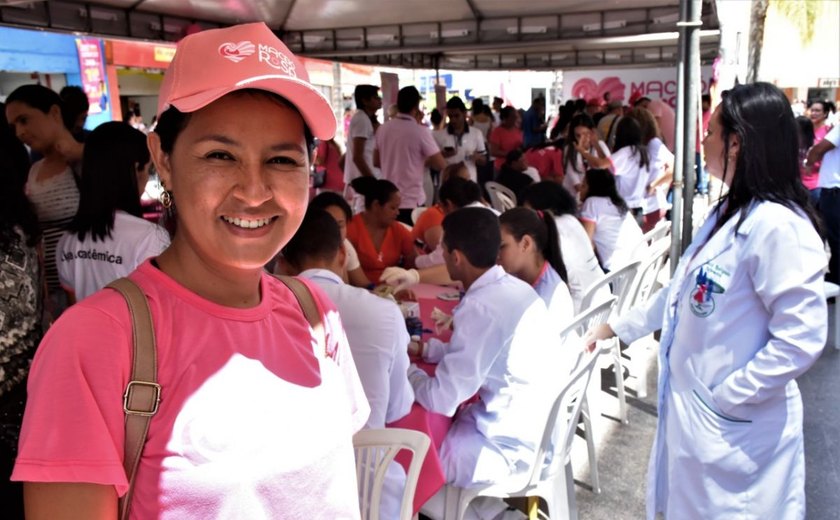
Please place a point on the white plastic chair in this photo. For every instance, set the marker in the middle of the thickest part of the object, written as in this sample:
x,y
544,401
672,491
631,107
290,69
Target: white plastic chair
x,y
375,450
501,198
581,323
832,290
551,473
644,285
622,282
662,229
416,212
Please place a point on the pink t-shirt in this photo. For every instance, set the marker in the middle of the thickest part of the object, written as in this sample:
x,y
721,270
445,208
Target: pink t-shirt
x,y
507,140
404,145
253,423
666,119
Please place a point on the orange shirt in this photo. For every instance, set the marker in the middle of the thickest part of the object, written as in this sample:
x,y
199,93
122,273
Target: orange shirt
x,y
396,245
428,219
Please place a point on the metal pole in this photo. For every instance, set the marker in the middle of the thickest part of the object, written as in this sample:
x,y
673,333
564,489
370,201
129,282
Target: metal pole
x,y
688,82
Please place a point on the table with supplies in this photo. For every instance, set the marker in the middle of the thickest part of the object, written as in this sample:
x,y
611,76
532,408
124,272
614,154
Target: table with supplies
x,y
432,476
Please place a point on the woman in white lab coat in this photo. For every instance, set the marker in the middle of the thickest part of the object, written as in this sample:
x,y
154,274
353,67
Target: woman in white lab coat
x,y
743,316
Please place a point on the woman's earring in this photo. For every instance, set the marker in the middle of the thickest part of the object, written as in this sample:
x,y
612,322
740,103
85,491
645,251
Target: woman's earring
x,y
166,199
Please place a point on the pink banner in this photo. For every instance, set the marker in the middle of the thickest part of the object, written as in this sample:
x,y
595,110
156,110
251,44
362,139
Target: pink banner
x,y
92,72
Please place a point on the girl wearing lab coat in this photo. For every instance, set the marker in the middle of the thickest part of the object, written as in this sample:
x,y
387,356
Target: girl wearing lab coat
x,y
742,317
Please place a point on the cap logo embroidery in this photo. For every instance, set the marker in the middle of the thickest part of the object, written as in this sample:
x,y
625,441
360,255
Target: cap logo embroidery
x,y
237,52
277,59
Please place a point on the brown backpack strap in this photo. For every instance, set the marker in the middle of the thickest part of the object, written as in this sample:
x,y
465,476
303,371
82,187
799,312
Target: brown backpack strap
x,y
142,394
309,307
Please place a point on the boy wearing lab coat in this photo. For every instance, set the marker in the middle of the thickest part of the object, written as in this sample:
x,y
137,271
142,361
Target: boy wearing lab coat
x,y
503,348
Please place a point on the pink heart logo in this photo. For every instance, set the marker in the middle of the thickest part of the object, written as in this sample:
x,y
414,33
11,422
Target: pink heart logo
x,y
586,88
237,52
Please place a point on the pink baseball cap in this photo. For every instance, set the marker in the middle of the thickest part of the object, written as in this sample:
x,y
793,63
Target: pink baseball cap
x,y
209,64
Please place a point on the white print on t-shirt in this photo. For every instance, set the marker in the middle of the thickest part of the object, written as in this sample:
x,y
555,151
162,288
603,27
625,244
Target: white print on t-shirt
x,y
91,254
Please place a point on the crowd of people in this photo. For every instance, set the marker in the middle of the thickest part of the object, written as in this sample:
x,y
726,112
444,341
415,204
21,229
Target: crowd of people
x,y
258,409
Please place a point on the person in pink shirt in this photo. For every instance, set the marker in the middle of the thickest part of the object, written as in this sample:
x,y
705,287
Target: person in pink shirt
x,y
506,137
666,119
257,410
403,148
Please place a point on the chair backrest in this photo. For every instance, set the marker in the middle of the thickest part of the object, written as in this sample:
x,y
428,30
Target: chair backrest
x,y
585,320
620,282
375,450
556,443
662,229
649,272
501,198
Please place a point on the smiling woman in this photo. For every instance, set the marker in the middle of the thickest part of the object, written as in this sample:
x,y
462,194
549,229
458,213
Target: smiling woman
x,y
235,434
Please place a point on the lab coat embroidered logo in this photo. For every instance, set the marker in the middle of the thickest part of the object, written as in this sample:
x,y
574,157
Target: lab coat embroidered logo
x,y
237,52
701,301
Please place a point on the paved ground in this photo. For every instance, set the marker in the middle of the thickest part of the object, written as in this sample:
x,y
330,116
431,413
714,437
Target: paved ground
x,y
623,450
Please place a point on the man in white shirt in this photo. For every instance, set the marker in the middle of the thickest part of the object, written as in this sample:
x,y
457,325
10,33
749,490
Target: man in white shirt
x,y
458,141
503,348
358,160
375,330
828,150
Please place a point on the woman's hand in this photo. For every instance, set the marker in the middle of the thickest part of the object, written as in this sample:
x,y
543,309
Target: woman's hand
x,y
597,333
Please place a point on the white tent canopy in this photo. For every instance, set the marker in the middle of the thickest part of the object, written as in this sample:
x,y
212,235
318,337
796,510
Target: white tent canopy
x,y
451,34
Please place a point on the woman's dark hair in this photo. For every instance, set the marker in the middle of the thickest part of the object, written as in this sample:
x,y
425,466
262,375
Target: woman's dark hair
x,y
805,127
767,164
570,153
436,118
172,121
565,114
629,133
601,183
477,106
38,97
823,104
113,153
327,199
374,190
541,228
550,195
15,209
459,191
647,123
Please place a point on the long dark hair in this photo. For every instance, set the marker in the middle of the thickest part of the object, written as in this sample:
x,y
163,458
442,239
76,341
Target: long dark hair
x,y
15,209
601,183
570,153
374,190
113,153
541,228
767,164
629,133
549,195
805,127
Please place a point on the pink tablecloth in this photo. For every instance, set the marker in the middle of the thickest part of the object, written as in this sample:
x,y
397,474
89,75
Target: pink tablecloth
x,y
432,476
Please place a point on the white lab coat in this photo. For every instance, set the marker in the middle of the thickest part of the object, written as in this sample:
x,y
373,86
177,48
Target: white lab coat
x,y
504,348
743,316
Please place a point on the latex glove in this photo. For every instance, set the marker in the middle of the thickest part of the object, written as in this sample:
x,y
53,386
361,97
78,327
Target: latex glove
x,y
442,320
399,277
